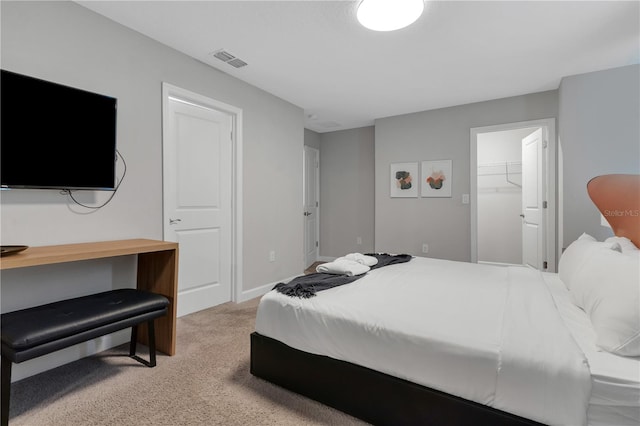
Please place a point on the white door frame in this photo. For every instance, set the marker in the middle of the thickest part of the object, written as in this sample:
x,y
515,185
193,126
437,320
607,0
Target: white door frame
x,y
171,91
549,134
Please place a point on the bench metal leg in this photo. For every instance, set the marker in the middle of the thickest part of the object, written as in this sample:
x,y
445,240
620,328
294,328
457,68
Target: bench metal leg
x,y
6,390
152,345
134,341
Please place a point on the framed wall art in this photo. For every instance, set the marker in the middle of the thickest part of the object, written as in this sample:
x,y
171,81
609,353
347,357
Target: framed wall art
x,y
404,180
436,178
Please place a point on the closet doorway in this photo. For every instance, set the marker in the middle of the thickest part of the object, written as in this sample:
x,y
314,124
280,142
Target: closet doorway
x,y
311,204
513,194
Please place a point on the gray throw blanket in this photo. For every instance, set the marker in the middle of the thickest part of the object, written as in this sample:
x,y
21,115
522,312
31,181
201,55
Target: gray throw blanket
x,y
307,286
385,259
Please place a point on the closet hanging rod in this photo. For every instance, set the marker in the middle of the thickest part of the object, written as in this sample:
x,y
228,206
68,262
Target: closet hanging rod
x,y
500,164
499,174
505,173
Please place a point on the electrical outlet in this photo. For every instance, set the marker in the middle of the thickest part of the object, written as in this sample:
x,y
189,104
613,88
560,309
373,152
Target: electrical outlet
x,y
359,241
272,256
425,248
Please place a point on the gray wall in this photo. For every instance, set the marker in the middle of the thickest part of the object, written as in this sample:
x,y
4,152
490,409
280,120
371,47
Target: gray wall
x,y
404,224
67,43
311,139
346,191
599,133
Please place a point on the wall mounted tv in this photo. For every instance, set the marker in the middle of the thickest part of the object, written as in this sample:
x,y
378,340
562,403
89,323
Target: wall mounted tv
x,y
55,136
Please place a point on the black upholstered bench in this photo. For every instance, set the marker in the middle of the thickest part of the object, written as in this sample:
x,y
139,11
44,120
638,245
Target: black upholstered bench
x,y
32,332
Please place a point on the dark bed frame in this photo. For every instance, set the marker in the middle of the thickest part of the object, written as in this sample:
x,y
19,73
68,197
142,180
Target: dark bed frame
x,y
369,395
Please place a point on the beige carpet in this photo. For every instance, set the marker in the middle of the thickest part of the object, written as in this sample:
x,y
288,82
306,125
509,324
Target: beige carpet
x,y
206,383
312,269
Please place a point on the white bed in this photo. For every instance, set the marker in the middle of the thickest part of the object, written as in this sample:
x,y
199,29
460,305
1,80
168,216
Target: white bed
x,y
559,349
476,331
615,380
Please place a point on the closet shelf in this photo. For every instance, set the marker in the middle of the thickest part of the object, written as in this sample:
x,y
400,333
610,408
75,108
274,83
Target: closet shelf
x,y
503,168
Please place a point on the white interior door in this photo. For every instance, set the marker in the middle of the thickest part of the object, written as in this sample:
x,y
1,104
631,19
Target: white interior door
x,y
533,196
311,204
197,158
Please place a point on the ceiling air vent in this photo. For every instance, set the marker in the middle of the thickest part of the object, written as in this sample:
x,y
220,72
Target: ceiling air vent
x,y
223,55
238,63
230,59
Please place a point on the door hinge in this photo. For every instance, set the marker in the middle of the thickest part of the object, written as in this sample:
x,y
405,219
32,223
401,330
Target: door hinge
x,y
544,144
316,204
544,265
544,204
316,244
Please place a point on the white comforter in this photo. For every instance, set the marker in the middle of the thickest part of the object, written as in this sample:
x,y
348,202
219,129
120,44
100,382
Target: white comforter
x,y
486,333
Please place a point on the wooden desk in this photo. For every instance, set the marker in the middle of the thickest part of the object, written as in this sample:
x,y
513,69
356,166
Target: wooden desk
x,y
157,272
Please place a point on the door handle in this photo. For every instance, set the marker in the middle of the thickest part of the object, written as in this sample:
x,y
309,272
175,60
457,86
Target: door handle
x,y
307,213
174,221
522,216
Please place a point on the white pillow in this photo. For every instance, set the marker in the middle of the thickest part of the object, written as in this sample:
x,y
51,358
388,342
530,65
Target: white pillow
x,y
626,244
576,255
607,287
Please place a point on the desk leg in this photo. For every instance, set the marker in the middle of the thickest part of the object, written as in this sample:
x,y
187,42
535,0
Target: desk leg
x,y
158,273
6,391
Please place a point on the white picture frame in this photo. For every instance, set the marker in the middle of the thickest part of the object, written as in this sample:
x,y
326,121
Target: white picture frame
x,y
436,179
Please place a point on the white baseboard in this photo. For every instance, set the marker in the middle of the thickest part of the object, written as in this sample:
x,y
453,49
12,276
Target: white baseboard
x,y
497,263
259,291
326,258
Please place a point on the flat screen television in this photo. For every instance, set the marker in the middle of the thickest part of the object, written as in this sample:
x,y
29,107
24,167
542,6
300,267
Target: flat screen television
x,y
55,136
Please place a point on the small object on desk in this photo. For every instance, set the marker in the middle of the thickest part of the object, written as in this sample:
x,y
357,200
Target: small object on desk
x,y
7,250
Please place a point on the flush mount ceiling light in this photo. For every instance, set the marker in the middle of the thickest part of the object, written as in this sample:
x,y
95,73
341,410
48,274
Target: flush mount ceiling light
x,y
389,15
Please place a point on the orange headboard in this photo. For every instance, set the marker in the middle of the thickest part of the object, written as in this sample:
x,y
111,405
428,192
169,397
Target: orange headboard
x,y
618,199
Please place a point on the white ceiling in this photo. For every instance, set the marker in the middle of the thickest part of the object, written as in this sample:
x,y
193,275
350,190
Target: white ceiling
x,y
315,55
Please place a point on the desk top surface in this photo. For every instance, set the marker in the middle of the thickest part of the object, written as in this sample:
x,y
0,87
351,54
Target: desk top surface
x,y
46,255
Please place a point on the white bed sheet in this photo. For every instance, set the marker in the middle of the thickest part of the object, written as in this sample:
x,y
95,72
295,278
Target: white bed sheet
x,y
615,390
446,325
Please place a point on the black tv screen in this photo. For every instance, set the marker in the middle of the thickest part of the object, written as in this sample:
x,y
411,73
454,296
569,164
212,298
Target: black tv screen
x,y
55,136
